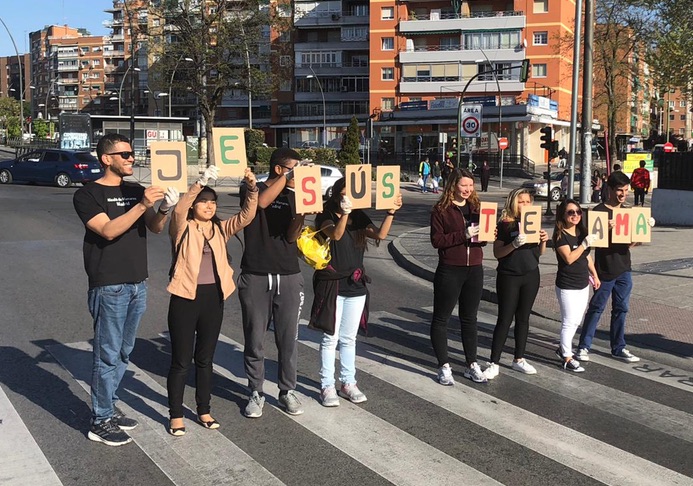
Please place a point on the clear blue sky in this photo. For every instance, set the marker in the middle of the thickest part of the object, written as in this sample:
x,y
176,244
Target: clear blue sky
x,y
25,16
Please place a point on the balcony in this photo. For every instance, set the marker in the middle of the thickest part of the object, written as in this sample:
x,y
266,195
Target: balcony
x,y
437,22
328,19
68,67
332,68
358,44
430,85
504,53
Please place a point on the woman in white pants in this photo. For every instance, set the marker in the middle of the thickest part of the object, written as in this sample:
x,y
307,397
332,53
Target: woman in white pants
x,y
575,270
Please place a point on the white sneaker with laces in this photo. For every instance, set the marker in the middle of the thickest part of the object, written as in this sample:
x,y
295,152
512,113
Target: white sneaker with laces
x,y
475,374
445,375
352,393
627,356
524,367
329,397
491,371
583,354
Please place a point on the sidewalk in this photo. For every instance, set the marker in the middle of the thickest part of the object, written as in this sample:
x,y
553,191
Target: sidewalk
x,y
661,304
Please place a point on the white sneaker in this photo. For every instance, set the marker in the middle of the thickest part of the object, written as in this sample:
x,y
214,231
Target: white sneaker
x,y
524,367
445,375
626,356
491,371
475,374
329,397
583,354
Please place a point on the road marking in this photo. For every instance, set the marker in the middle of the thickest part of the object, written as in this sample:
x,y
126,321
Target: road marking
x,y
186,460
564,445
21,459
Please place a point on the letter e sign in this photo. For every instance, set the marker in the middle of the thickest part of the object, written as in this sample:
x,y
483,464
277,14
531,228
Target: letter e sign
x,y
386,186
169,166
530,223
229,151
358,185
308,189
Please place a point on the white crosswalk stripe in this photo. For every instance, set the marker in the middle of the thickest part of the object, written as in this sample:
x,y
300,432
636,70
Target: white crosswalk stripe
x,y
398,456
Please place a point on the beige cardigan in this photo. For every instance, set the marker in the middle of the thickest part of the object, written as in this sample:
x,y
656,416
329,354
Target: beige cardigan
x,y
187,268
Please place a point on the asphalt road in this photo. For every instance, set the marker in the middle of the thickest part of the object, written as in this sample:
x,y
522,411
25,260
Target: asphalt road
x,y
614,424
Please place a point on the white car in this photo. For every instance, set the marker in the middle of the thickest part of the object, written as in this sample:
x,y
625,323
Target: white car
x,y
328,176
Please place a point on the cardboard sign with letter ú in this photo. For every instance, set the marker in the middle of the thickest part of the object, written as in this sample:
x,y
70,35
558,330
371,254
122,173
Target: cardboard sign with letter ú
x,y
358,185
487,221
169,165
229,151
308,189
386,186
530,223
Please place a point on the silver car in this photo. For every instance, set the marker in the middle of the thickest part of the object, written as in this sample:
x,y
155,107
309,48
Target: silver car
x,y
538,187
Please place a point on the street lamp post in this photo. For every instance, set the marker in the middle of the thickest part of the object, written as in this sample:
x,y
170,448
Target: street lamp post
x,y
322,93
500,109
120,90
170,84
21,77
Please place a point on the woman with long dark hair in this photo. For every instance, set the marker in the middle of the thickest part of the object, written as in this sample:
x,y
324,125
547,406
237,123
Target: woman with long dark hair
x,y
575,267
201,279
459,277
340,290
517,282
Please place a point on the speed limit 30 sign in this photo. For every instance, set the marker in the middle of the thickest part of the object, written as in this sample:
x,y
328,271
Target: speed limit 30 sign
x,y
471,120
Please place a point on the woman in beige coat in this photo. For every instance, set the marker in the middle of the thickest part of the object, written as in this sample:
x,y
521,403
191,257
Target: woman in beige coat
x,y
201,279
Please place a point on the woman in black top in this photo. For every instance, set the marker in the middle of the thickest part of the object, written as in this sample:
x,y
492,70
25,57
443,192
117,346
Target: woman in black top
x,y
517,282
575,267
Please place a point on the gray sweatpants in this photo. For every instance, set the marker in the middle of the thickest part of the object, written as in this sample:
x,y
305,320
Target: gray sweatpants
x,y
266,297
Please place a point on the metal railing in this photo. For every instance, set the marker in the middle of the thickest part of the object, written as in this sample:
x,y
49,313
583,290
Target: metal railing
x,y
476,15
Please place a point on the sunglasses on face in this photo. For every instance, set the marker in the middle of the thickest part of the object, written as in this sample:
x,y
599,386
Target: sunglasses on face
x,y
124,154
573,212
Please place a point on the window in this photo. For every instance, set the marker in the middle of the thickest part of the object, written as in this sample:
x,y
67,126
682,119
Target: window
x,y
492,40
672,105
285,85
538,70
387,74
682,103
388,44
354,33
671,117
285,61
540,6
449,44
387,104
541,38
683,117
387,13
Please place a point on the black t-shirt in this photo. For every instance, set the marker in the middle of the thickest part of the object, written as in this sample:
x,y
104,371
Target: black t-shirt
x,y
612,261
520,261
124,259
266,247
577,275
345,253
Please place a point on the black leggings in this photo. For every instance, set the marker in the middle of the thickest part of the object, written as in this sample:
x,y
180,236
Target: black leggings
x,y
516,296
456,285
193,322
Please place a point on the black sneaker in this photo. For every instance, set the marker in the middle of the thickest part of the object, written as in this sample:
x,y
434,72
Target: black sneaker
x,y
108,433
123,422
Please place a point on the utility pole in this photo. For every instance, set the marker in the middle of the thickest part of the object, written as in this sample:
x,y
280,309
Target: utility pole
x,y
585,184
133,41
574,98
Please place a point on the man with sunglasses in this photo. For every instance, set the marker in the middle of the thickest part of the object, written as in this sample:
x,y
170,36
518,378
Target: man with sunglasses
x,y
116,214
613,266
270,286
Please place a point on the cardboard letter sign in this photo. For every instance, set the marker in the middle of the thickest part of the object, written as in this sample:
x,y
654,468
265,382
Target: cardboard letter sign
x,y
598,225
308,189
386,186
358,185
530,223
169,165
640,228
620,233
229,151
488,214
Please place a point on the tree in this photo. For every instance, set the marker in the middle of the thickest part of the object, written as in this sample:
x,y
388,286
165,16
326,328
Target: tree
x,y
229,46
9,114
350,146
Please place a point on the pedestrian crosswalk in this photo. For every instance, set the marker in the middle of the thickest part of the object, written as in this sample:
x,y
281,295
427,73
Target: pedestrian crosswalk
x,y
618,423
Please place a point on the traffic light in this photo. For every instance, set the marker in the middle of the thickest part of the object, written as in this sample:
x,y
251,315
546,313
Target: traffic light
x,y
524,71
546,136
553,151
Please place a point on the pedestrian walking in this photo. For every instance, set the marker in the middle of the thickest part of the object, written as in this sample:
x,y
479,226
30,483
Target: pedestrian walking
x,y
116,214
435,176
424,173
201,280
517,282
640,182
485,175
575,267
341,296
613,265
270,287
459,277
445,171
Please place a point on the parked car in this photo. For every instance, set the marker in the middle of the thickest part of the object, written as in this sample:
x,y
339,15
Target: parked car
x,y
328,176
53,166
538,186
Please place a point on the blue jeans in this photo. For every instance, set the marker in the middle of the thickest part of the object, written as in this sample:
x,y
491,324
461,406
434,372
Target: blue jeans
x,y
117,310
347,320
619,289
425,181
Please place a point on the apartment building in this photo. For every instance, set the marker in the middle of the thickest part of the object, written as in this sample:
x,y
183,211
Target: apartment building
x,y
10,84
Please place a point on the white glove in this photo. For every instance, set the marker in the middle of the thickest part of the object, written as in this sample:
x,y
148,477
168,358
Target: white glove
x,y
519,240
589,241
345,205
211,172
471,232
170,199
651,222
